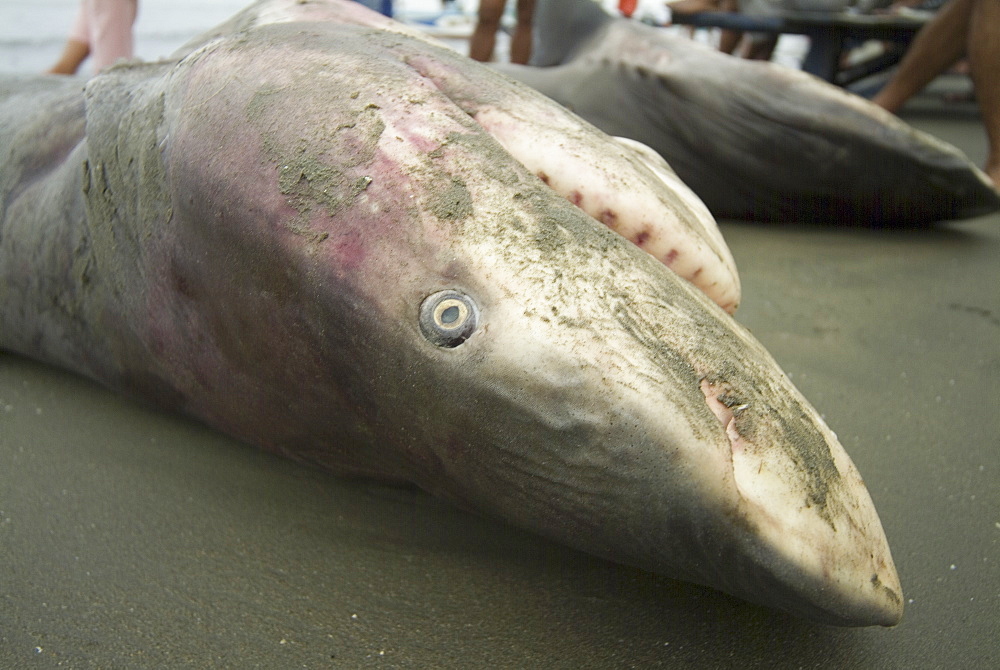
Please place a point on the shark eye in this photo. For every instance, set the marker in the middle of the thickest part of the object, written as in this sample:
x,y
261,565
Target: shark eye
x,y
448,318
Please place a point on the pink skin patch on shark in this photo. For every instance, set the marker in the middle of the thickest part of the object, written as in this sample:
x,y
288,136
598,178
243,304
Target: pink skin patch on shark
x,y
609,219
351,252
671,256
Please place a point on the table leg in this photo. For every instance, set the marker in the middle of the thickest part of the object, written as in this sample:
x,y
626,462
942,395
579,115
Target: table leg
x,y
823,58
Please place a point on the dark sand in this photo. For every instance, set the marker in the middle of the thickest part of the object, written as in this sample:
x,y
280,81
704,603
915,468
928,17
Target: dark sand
x,y
133,539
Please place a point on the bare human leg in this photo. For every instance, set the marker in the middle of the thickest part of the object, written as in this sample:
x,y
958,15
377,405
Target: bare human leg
x,y
935,48
485,35
520,45
73,54
984,67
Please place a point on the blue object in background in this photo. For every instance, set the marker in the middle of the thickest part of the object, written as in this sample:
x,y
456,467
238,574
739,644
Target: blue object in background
x,y
381,6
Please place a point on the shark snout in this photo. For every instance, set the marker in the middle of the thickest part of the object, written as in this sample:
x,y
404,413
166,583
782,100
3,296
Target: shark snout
x,y
805,507
720,475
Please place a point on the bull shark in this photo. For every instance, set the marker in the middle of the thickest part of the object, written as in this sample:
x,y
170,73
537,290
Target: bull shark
x,y
346,245
754,140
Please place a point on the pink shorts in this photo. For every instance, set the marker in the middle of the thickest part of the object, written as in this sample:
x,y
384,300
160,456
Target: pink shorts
x,y
105,26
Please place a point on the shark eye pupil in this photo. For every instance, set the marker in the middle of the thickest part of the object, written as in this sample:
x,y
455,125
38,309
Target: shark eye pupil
x,y
448,318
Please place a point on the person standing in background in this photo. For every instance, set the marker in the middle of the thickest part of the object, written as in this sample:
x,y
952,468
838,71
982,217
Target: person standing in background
x,y
102,30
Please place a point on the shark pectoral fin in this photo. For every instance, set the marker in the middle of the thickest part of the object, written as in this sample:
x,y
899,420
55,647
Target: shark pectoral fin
x,y
710,233
610,180
624,189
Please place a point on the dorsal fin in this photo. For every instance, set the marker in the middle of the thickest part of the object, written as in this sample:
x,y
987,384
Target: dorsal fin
x,y
560,26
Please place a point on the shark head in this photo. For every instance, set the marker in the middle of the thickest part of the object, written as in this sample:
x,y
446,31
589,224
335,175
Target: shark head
x,y
356,249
